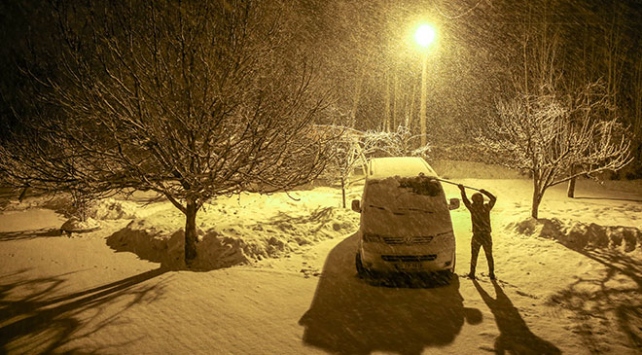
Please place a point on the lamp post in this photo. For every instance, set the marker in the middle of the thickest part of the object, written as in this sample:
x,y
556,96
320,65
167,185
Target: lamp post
x,y
424,36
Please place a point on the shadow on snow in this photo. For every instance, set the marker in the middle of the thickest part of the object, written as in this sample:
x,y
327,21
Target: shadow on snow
x,y
613,296
351,316
609,198
515,337
30,234
40,323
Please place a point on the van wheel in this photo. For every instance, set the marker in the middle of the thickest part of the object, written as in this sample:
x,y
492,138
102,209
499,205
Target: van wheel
x,y
444,277
361,271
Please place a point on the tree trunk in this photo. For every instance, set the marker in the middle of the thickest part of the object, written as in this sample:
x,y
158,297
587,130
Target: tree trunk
x,y
570,190
395,99
411,107
535,205
537,196
343,191
356,98
386,117
23,194
190,232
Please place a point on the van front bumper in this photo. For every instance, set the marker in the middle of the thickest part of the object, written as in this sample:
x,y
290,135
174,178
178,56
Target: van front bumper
x,y
408,263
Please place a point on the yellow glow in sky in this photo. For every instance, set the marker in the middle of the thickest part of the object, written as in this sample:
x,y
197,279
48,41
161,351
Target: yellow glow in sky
x,y
425,35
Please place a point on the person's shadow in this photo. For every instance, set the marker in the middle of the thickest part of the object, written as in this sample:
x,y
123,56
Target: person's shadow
x,y
515,337
351,316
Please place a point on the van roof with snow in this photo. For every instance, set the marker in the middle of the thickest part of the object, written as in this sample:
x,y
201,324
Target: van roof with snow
x,y
381,168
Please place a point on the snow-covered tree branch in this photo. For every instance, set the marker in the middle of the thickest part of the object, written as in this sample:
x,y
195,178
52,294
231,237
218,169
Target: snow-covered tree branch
x,y
191,100
557,139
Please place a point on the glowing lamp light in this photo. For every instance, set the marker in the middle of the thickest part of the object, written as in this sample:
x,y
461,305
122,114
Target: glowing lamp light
x,y
425,35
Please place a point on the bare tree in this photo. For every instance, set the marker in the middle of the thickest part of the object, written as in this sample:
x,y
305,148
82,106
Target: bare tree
x,y
541,136
188,99
347,157
557,126
352,148
35,160
397,143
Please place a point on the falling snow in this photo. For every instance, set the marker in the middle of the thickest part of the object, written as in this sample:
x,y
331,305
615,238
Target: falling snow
x,y
277,276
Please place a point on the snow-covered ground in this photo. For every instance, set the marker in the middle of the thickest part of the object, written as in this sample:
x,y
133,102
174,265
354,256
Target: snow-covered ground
x,y
276,276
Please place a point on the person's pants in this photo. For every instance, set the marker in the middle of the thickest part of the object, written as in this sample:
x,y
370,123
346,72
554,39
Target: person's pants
x,y
478,241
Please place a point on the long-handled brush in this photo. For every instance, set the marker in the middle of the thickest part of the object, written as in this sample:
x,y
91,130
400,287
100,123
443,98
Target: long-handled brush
x,y
454,183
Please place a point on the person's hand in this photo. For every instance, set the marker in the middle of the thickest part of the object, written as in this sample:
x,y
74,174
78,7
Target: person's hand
x,y
483,191
461,187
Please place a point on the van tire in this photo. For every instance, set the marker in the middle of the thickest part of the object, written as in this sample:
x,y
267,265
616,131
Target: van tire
x,y
444,277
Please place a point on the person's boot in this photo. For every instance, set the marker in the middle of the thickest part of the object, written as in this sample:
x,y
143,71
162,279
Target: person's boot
x,y
471,274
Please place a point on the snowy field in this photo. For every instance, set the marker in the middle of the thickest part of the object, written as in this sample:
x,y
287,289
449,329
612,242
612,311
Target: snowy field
x,y
276,276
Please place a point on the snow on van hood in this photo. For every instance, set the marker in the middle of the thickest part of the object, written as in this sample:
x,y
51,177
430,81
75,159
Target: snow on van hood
x,y
398,206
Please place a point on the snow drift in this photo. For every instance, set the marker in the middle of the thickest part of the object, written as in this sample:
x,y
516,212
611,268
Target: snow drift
x,y
224,242
578,235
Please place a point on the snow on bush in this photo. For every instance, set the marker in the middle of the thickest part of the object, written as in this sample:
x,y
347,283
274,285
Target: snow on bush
x,y
578,235
100,209
75,225
110,209
57,202
160,237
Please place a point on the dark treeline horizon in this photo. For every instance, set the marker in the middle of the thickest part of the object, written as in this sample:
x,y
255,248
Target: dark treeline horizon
x,y
486,50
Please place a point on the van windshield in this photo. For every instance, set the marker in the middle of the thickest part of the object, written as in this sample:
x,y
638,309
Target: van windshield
x,y
406,195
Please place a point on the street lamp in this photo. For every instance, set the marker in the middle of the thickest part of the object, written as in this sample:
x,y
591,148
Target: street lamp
x,y
424,36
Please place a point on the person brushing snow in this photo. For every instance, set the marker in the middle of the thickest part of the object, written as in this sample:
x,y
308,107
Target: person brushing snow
x,y
480,216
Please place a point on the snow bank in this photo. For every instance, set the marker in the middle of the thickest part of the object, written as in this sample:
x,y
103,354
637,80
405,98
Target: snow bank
x,y
160,237
233,230
75,225
578,235
100,209
110,209
57,202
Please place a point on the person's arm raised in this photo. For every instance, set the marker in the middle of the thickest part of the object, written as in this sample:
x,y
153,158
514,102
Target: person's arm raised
x,y
492,198
464,198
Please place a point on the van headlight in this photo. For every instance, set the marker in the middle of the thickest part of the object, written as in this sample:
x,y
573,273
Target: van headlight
x,y
370,237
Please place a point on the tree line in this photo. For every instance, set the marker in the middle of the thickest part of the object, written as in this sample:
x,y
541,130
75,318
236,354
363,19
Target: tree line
x,y
198,99
191,100
486,51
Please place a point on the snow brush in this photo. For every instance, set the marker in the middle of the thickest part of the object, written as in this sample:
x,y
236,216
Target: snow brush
x,y
454,183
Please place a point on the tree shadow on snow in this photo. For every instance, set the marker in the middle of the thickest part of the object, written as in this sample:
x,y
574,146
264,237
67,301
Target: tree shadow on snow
x,y
613,296
351,316
515,337
41,323
608,198
30,234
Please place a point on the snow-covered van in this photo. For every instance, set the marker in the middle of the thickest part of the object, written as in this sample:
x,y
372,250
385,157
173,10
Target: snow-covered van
x,y
405,220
